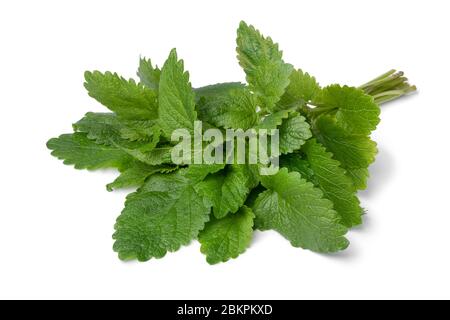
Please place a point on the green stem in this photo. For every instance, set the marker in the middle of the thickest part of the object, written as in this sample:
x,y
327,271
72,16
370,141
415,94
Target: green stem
x,y
387,87
378,79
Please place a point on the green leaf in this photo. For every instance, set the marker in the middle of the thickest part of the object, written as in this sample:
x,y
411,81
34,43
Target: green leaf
x,y
273,120
294,132
143,131
153,156
101,127
267,73
325,172
235,109
163,215
227,238
356,112
359,176
295,162
354,152
77,149
198,172
228,189
251,199
135,175
145,151
297,210
176,97
218,89
148,74
107,128
126,98
302,88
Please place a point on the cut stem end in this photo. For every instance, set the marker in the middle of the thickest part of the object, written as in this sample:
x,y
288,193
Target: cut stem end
x,y
387,87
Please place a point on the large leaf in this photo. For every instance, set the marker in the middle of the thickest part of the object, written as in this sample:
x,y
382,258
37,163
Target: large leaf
x,y
356,112
317,165
166,213
297,210
354,152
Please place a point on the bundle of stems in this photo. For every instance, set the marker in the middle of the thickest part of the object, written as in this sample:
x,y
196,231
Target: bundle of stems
x,y
387,87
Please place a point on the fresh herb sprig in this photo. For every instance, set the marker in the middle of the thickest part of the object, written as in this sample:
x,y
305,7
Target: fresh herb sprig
x,y
325,146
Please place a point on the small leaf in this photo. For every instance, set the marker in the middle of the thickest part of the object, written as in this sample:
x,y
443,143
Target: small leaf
x,y
273,120
294,132
126,98
227,238
267,73
228,189
77,149
218,89
176,97
302,88
135,175
107,128
236,109
148,74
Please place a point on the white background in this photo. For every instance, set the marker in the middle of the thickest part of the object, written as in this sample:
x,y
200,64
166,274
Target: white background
x,y
56,222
